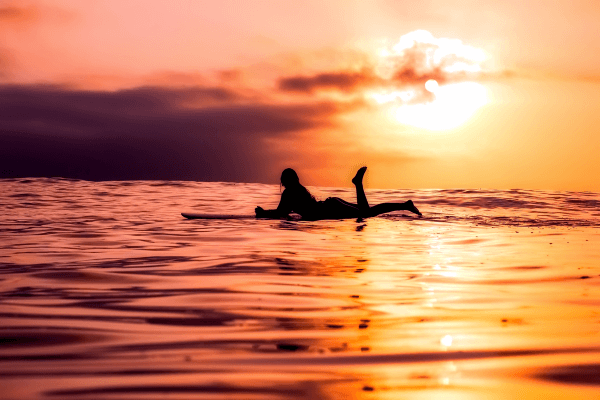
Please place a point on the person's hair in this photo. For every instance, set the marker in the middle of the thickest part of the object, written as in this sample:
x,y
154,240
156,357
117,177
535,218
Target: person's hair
x,y
289,177
289,180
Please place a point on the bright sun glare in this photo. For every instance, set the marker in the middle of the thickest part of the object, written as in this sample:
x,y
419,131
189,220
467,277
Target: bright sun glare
x,y
454,104
434,105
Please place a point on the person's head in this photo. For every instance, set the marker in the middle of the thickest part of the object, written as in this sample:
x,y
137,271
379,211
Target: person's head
x,y
289,178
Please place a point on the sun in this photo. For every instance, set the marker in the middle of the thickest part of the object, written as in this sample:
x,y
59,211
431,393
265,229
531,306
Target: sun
x,y
454,105
432,81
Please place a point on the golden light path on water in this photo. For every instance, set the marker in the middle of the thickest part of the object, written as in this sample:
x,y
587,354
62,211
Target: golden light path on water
x,y
106,292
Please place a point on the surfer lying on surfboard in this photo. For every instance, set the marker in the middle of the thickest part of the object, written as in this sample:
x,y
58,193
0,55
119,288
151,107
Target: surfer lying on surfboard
x,y
296,198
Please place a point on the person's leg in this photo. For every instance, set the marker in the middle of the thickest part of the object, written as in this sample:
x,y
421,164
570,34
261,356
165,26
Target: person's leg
x,y
347,203
361,198
344,209
389,207
338,208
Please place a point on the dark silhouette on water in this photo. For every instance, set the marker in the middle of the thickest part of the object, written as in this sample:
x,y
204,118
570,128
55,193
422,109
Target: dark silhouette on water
x,y
296,198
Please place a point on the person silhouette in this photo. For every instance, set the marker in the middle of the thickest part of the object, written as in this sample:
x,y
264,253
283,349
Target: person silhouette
x,y
296,198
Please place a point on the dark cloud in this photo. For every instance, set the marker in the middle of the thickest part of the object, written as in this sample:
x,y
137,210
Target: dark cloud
x,y
407,76
408,70
202,133
343,81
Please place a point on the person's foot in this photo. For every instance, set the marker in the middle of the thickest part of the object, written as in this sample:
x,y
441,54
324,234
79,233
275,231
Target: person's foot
x,y
359,175
411,207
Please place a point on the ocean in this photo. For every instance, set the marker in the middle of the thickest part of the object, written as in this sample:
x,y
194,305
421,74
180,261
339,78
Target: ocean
x,y
106,292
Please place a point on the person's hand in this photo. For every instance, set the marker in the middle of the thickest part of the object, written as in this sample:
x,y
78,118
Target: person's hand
x,y
259,211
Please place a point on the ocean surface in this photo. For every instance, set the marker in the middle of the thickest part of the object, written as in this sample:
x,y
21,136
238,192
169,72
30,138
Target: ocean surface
x,y
106,292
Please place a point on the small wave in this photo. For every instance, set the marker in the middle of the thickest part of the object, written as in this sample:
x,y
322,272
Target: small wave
x,y
589,203
572,374
484,220
24,195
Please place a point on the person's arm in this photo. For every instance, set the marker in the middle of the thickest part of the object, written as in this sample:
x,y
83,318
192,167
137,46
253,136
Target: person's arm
x,y
283,209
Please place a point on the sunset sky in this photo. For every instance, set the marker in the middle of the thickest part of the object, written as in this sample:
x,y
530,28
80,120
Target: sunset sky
x,y
428,94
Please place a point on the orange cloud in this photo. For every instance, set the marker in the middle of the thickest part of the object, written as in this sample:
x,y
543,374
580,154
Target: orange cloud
x,y
5,63
17,15
14,15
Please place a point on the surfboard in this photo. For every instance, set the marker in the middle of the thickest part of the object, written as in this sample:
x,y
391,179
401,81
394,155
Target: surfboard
x,y
291,217
218,216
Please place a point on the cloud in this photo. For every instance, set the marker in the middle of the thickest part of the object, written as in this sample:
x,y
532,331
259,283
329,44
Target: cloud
x,y
343,81
6,63
20,16
200,133
17,14
188,126
417,58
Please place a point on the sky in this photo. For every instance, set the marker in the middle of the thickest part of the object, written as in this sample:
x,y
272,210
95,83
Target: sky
x,y
428,94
